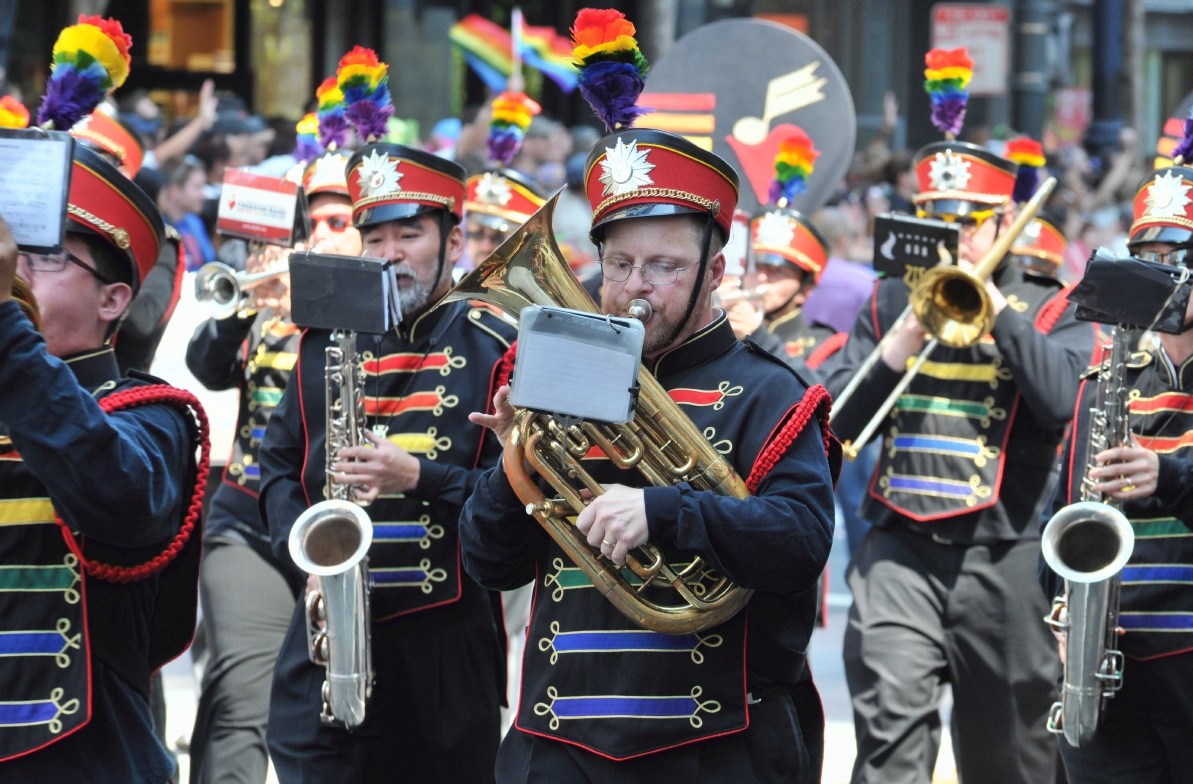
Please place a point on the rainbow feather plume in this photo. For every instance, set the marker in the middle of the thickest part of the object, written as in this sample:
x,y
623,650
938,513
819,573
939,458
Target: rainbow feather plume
x,y
793,165
13,113
307,147
1183,152
612,68
1029,154
512,113
333,127
364,82
945,79
90,60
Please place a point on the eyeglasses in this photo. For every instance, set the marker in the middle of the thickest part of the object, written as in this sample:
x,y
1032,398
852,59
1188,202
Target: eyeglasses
x,y
656,273
480,235
1171,258
57,262
336,223
969,223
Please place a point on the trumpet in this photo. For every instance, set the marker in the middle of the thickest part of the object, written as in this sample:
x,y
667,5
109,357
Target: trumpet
x,y
23,295
228,289
730,298
953,306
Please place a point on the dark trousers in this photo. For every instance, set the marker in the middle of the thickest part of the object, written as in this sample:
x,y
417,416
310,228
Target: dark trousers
x,y
433,717
770,751
247,606
1146,734
927,613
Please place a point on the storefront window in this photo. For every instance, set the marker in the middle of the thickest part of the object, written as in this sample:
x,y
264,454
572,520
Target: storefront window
x,y
281,57
192,35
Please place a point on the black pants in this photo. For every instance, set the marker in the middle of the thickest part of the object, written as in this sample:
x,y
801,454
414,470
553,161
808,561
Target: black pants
x,y
1146,734
247,605
927,613
433,717
770,751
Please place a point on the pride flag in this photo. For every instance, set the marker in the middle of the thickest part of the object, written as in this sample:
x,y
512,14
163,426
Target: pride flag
x,y
488,48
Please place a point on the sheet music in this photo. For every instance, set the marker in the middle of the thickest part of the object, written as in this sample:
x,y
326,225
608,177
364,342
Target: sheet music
x,y
34,188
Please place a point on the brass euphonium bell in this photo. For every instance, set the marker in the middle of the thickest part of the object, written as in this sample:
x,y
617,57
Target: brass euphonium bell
x,y
660,441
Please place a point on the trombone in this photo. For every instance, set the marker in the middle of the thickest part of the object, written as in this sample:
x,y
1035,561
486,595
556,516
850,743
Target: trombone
x,y
228,289
953,305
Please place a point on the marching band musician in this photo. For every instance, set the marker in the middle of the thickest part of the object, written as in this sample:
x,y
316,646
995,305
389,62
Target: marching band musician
x,y
667,250
497,203
74,699
721,705
144,325
433,716
248,596
1142,734
1040,250
789,256
941,584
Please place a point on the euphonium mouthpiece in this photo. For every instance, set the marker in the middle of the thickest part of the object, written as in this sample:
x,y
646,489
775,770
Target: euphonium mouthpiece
x,y
640,309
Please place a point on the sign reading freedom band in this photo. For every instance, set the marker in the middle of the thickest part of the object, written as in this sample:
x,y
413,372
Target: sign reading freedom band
x,y
266,209
738,87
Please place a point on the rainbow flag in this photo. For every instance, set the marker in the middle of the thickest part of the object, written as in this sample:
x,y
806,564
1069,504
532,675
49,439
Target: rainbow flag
x,y
488,49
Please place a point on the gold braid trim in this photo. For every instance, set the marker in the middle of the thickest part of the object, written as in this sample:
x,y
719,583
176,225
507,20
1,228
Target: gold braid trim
x,y
1161,219
118,235
448,202
709,205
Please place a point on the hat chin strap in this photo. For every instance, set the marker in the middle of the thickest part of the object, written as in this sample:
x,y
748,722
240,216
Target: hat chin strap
x,y
443,230
701,269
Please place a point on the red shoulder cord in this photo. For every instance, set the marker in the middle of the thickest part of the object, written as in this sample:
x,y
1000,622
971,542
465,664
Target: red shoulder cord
x,y
827,349
1051,312
148,396
816,402
506,366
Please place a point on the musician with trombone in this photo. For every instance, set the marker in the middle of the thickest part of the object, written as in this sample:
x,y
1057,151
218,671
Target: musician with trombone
x,y
609,699
942,583
93,606
434,711
248,596
1142,734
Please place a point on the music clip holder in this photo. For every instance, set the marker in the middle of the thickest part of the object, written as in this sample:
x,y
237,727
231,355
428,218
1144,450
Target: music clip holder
x,y
905,246
1133,293
577,366
354,293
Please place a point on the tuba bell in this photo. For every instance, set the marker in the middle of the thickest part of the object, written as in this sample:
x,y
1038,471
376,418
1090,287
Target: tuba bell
x,y
660,441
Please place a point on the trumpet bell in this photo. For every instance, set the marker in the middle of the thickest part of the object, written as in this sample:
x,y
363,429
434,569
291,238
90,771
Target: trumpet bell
x,y
953,305
1087,542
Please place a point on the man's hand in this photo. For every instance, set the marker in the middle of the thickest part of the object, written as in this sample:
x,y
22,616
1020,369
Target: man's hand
x,y
501,420
908,342
8,262
208,104
615,522
385,468
996,298
1127,471
744,318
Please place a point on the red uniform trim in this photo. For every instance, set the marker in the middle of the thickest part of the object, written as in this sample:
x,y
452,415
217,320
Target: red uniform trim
x,y
147,396
1051,312
176,292
826,349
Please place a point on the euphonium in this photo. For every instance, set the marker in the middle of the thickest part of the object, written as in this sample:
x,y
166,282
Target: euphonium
x,y
1088,543
330,540
228,289
660,441
26,301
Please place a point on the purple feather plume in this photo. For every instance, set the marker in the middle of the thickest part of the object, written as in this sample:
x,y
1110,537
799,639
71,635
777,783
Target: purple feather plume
x,y
69,98
306,150
949,114
1026,182
1185,146
333,129
504,144
370,119
612,90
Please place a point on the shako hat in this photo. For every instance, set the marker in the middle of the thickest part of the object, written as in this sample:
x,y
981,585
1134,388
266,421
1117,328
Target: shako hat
x,y
782,236
113,136
390,182
326,174
1163,208
1043,240
503,199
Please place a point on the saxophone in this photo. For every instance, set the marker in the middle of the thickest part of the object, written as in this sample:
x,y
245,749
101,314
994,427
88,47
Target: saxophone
x,y
1088,543
331,540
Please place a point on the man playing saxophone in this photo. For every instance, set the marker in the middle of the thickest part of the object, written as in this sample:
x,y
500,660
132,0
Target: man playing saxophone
x,y
1142,734
942,585
248,596
433,716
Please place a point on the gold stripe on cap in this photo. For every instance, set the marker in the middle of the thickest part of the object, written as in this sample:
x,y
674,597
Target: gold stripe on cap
x,y
712,206
118,235
447,201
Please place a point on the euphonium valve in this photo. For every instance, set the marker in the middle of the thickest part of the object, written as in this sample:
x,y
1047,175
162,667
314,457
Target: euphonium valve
x,y
660,441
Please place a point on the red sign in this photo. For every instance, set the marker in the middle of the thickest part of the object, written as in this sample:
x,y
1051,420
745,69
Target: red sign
x,y
256,207
985,31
